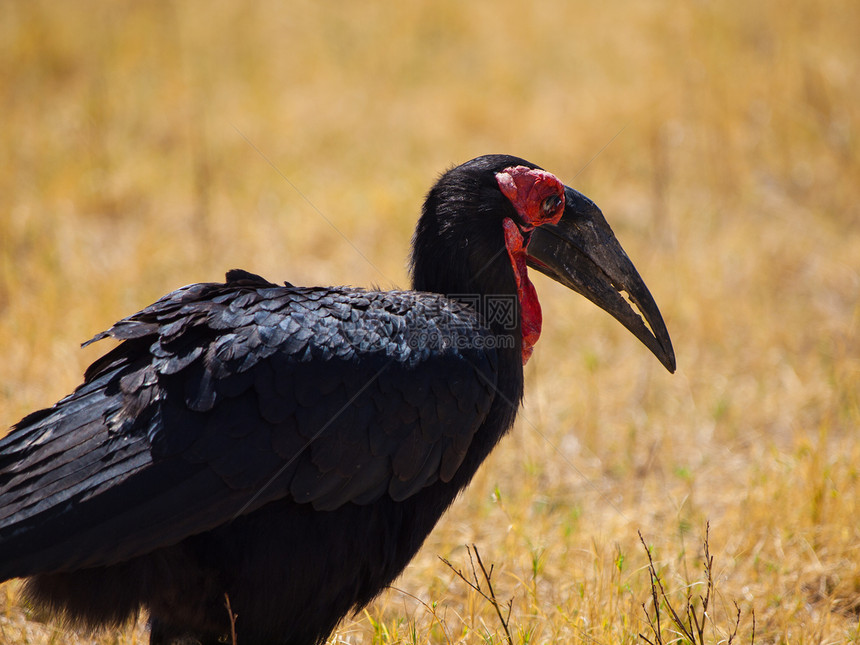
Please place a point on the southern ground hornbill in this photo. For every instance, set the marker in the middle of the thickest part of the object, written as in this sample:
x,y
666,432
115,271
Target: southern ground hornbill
x,y
290,448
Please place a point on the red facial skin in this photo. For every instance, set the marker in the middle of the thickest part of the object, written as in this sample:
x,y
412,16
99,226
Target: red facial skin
x,y
528,190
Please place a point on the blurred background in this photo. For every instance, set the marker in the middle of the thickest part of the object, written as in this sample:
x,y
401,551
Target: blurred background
x,y
149,145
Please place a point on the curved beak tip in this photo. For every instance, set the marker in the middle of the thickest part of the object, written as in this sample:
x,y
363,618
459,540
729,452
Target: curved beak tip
x,y
668,359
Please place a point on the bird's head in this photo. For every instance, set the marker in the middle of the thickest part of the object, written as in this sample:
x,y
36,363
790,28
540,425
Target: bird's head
x,y
488,219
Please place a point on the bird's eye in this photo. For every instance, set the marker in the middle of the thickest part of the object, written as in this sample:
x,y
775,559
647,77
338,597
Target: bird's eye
x,y
550,205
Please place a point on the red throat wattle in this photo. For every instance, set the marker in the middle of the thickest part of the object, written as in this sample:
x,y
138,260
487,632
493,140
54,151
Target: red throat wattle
x,y
529,190
530,313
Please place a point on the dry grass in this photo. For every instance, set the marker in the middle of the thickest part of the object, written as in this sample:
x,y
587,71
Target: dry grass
x,y
148,145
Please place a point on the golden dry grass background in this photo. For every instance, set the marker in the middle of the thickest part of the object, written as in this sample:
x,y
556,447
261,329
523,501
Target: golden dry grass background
x,y
149,145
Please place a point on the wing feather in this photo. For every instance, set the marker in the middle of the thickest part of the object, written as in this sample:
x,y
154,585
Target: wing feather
x,y
223,397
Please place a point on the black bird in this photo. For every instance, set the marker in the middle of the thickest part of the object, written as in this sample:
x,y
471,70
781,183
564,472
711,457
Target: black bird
x,y
290,448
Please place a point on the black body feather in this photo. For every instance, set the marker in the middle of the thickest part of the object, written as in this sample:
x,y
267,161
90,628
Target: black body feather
x,y
291,447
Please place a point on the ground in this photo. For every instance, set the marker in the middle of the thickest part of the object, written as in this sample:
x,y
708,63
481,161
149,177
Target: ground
x,y
149,145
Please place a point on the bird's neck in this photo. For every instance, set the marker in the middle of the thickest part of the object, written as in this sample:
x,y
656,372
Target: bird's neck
x,y
484,268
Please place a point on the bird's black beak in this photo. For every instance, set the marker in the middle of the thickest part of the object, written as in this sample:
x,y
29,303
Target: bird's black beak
x,y
581,252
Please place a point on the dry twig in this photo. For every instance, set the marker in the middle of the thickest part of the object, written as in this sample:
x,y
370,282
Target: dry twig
x,y
489,595
690,623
